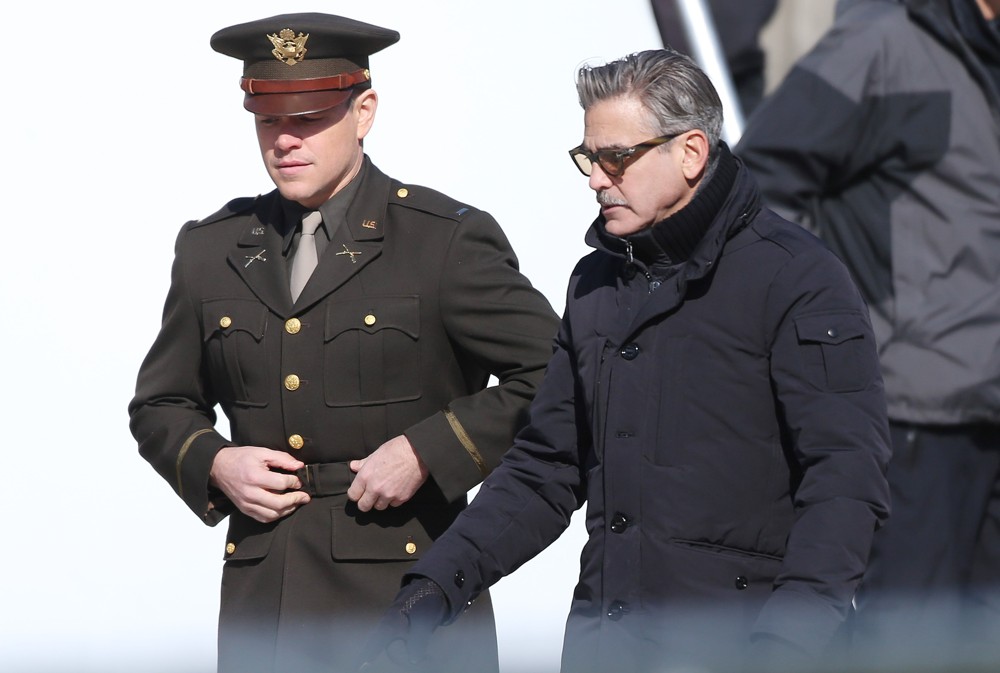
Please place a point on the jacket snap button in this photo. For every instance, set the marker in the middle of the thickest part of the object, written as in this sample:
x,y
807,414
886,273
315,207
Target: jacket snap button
x,y
630,352
459,578
742,583
619,523
617,610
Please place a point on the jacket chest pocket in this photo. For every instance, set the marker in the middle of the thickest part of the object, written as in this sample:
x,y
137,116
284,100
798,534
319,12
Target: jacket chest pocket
x,y
233,332
371,351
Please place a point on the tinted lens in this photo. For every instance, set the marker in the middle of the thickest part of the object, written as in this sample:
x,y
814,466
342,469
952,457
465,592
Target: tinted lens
x,y
582,161
611,162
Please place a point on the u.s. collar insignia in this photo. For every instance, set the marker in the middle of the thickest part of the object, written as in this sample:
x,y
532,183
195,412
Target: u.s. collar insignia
x,y
287,47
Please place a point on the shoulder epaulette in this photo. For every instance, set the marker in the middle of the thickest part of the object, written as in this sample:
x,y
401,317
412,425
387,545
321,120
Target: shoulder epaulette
x,y
234,207
427,200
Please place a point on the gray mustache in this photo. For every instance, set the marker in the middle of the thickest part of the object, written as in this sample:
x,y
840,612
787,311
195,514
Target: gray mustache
x,y
606,200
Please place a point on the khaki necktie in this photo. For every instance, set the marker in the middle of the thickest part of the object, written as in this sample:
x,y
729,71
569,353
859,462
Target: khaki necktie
x,y
305,259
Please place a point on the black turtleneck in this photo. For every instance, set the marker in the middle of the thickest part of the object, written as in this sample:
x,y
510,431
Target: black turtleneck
x,y
673,240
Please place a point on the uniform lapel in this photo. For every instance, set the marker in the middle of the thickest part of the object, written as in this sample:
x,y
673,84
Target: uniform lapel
x,y
354,246
258,261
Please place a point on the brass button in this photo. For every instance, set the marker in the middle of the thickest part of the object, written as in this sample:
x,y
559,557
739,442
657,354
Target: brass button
x,y
411,547
292,382
296,441
293,325
230,548
225,321
402,192
369,320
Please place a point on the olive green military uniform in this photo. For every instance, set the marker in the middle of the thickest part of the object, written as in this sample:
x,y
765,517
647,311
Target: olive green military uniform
x,y
415,302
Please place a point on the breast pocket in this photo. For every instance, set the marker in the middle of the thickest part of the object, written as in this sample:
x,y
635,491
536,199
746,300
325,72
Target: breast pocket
x,y
838,351
371,351
234,344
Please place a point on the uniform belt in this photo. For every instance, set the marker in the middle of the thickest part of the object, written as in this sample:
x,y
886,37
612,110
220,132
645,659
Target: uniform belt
x,y
322,479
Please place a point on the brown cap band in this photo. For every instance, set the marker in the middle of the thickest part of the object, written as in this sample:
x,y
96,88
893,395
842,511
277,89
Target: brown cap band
x,y
266,86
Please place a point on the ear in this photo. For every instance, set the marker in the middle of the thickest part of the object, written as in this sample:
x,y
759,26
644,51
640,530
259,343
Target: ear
x,y
364,109
695,156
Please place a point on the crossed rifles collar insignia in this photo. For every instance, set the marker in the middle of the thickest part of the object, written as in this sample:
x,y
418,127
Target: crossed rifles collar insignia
x,y
350,253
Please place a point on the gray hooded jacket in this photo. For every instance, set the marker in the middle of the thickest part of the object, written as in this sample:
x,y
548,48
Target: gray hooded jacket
x,y
885,140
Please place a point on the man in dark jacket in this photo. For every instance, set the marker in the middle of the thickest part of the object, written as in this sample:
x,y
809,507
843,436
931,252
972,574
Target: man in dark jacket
x,y
714,397
885,140
356,390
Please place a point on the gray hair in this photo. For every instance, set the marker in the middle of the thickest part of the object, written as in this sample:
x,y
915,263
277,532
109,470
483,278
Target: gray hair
x,y
677,94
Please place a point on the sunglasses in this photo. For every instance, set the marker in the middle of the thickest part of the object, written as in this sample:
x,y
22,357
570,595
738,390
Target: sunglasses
x,y
613,161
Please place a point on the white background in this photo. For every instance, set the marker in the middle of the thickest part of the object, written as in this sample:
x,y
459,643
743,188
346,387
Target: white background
x,y
120,123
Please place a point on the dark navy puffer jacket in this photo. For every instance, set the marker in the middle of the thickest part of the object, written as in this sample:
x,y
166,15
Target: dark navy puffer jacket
x,y
725,425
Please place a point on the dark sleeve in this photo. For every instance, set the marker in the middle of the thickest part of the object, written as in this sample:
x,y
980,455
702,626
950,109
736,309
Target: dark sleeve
x,y
494,316
828,388
172,414
525,504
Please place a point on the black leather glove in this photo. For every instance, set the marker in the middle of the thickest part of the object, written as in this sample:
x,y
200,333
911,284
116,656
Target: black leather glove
x,y
404,631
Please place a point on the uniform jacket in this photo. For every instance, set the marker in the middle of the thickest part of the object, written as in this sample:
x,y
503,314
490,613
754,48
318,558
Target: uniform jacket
x,y
726,427
416,302
885,140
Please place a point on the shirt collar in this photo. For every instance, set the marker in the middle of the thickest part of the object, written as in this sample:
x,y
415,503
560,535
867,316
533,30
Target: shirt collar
x,y
334,211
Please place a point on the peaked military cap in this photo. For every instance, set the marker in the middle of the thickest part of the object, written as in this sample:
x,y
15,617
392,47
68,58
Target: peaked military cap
x,y
301,63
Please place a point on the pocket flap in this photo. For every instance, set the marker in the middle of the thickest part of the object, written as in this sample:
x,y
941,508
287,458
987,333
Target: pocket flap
x,y
391,535
231,315
830,328
247,539
371,314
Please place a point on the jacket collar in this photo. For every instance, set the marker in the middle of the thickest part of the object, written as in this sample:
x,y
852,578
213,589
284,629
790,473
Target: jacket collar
x,y
354,246
695,235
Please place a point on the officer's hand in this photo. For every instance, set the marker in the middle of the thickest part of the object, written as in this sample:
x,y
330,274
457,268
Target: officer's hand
x,y
388,477
405,629
244,474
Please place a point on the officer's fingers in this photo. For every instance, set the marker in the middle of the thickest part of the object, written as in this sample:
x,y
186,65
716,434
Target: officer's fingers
x,y
360,486
279,481
283,461
356,465
259,512
366,500
296,500
276,505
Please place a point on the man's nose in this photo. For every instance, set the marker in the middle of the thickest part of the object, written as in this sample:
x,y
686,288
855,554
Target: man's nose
x,y
598,178
287,141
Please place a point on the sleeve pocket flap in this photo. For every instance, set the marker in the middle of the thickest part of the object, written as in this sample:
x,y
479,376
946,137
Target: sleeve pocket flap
x,y
830,328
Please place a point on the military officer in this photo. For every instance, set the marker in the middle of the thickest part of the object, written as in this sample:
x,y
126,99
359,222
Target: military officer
x,y
347,325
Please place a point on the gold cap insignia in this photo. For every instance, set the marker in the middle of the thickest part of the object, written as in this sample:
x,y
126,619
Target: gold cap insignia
x,y
287,47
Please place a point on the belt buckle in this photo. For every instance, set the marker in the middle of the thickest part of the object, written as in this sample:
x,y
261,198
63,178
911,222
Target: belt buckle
x,y
309,478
